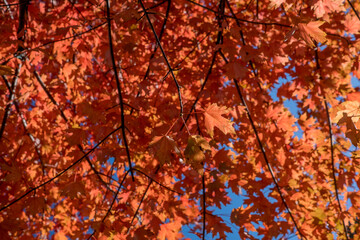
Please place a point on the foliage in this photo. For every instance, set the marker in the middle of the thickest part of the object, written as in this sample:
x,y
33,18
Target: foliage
x,y
132,119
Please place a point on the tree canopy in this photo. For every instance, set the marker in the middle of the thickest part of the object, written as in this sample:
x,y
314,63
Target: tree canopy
x,y
133,119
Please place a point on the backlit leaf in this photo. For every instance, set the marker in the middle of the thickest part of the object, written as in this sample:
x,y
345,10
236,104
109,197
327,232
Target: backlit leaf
x,y
213,119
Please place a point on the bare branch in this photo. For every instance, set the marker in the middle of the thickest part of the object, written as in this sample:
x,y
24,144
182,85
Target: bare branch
x,y
42,84
118,88
353,8
61,173
165,57
242,99
11,98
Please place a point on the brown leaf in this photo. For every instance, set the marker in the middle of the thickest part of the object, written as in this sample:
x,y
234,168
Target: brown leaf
x,y
165,146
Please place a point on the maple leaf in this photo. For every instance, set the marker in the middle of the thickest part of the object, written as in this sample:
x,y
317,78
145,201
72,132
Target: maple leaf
x,y
65,167
352,133
170,231
213,119
351,108
60,236
217,226
194,152
322,7
352,24
311,30
165,146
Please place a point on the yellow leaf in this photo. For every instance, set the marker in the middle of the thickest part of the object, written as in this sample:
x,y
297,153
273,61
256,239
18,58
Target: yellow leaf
x,y
319,213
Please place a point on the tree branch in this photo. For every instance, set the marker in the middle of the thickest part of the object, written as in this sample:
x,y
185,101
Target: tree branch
x,y
318,67
353,8
113,201
24,123
156,46
61,173
11,98
242,99
142,198
42,84
165,57
118,88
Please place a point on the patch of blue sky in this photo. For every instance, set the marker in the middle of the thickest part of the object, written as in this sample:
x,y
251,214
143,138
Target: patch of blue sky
x,y
267,191
355,82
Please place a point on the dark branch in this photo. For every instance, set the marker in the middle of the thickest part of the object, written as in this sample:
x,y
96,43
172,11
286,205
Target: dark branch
x,y
42,84
143,197
333,169
152,179
61,173
118,89
156,46
353,8
165,57
242,99
11,98
113,201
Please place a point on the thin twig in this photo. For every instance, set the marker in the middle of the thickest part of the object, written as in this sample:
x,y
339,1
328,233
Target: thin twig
x,y
118,88
165,57
241,19
62,172
112,203
201,89
242,99
243,41
218,41
353,8
143,197
7,5
155,181
156,47
42,84
333,169
25,125
11,98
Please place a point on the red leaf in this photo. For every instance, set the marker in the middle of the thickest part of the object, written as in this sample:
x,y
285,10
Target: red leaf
x,y
165,146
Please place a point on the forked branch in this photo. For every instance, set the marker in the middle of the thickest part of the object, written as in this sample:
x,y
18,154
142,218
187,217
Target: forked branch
x,y
118,89
165,57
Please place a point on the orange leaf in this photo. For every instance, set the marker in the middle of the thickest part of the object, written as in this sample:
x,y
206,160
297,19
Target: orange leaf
x,y
213,119
311,31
